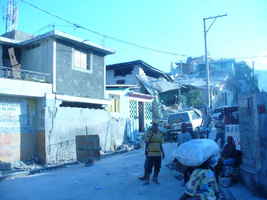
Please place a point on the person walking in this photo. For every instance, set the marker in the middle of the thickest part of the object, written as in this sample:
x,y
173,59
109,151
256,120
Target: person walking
x,y
154,153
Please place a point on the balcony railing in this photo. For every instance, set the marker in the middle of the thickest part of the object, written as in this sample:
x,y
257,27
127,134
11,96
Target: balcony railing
x,y
20,74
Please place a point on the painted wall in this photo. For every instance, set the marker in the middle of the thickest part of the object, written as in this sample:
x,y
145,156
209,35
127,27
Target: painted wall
x,y
130,79
24,88
38,57
62,124
17,128
78,83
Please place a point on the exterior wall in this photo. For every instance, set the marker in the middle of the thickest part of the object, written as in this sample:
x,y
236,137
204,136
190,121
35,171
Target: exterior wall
x,y
60,134
17,128
253,137
78,83
225,98
1,55
24,88
130,79
38,57
124,106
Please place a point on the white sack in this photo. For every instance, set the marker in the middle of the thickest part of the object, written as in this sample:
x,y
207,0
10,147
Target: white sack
x,y
197,151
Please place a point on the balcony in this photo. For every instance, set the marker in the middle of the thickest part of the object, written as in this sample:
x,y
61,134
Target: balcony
x,y
20,74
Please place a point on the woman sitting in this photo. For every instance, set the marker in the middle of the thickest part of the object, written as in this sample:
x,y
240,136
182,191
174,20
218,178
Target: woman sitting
x,y
229,152
202,184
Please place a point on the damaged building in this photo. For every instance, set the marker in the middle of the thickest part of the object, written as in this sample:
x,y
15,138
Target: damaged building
x,y
228,78
144,80
54,90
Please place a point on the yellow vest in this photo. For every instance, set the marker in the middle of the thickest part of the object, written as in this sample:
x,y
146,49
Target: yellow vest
x,y
154,141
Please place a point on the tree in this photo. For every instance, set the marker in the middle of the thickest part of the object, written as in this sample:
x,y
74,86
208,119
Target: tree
x,y
192,98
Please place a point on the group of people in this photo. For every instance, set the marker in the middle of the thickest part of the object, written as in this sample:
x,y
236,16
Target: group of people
x,y
201,182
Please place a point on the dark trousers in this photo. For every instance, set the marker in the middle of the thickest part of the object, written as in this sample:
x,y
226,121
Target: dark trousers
x,y
152,162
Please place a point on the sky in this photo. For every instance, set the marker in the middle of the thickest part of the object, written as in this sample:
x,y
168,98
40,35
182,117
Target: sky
x,y
168,25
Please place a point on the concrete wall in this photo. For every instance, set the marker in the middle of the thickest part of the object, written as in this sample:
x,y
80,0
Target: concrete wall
x,y
253,137
18,118
17,35
78,83
38,57
24,88
62,124
130,79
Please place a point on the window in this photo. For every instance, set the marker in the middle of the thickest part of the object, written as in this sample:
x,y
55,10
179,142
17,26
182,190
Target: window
x,y
82,60
120,81
195,115
178,118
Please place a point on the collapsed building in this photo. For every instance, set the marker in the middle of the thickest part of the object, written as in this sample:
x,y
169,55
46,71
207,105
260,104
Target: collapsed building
x,y
143,79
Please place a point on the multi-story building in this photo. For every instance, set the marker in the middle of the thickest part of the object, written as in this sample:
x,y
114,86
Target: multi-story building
x,y
52,89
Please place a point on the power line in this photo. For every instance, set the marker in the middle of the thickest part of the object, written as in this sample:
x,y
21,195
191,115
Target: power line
x,y
78,26
251,57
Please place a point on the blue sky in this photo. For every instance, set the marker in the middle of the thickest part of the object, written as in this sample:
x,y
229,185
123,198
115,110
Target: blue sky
x,y
173,25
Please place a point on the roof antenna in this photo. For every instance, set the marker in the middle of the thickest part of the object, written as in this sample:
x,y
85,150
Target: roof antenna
x,y
11,16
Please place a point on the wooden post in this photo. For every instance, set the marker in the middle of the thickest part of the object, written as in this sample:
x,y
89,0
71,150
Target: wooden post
x,y
14,63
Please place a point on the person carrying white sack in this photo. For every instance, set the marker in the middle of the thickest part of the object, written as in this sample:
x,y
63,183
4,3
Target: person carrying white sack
x,y
202,184
202,156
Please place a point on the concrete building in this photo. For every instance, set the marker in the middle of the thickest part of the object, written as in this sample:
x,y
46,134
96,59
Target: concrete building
x,y
125,73
228,79
146,80
135,106
51,86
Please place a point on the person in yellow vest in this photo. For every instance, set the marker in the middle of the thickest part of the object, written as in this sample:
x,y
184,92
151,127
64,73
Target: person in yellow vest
x,y
154,152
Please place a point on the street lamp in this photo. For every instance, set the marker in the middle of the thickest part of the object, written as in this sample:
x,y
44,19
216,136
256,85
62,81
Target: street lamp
x,y
206,53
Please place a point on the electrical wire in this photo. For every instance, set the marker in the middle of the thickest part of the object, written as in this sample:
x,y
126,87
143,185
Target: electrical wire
x,y
78,26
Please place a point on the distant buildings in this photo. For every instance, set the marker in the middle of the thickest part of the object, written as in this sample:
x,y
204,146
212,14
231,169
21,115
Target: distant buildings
x,y
228,78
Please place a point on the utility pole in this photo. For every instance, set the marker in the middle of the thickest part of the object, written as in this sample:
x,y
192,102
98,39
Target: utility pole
x,y
206,54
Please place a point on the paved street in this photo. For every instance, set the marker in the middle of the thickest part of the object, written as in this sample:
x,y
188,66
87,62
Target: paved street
x,y
113,178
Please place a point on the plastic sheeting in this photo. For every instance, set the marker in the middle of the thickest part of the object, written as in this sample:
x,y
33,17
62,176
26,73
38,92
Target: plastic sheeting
x,y
64,123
